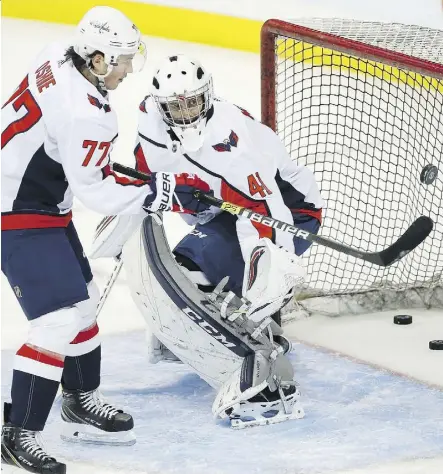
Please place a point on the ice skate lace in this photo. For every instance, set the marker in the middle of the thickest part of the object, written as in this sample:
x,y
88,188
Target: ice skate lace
x,y
32,443
93,402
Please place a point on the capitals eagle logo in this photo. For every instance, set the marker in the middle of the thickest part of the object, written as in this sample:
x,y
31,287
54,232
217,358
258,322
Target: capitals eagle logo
x,y
94,101
228,143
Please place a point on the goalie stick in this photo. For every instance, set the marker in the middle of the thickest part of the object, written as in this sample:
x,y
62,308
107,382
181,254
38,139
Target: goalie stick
x,y
411,238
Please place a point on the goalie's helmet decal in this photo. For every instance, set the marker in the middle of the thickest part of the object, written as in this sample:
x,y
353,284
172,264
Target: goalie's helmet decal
x,y
183,92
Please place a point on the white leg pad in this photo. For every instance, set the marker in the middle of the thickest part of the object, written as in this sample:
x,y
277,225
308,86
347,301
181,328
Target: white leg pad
x,y
271,273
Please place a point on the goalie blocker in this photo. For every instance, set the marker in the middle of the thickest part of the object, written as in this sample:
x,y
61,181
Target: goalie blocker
x,y
218,334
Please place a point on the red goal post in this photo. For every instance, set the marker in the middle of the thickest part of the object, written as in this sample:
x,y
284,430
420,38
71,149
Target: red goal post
x,y
361,103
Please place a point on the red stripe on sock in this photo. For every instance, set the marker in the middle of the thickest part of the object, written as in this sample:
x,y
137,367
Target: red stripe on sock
x,y
30,353
86,335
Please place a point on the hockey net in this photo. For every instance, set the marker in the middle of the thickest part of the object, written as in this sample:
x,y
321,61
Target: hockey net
x,y
361,104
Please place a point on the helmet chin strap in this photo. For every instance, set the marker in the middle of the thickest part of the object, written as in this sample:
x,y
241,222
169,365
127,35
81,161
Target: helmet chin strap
x,y
101,77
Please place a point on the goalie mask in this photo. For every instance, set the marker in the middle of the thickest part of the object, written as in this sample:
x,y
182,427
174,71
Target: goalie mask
x,y
183,92
109,31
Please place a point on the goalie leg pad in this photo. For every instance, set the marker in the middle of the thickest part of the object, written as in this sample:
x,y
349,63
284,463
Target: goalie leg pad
x,y
179,315
156,350
112,233
271,275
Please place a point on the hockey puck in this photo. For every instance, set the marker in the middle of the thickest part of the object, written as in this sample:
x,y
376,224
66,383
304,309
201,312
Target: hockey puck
x,y
428,174
402,319
436,345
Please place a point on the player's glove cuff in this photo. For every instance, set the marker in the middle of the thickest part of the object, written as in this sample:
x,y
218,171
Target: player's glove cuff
x,y
162,197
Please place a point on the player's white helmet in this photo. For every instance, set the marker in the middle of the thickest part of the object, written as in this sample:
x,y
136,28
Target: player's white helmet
x,y
183,92
109,31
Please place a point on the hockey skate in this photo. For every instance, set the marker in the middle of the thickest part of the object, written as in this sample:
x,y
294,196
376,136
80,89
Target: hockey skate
x,y
261,392
89,419
23,449
267,408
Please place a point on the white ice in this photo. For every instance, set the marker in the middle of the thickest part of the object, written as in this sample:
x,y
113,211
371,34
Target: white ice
x,y
362,416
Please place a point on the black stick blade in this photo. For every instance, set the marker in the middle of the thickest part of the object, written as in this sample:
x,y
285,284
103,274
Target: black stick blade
x,y
414,236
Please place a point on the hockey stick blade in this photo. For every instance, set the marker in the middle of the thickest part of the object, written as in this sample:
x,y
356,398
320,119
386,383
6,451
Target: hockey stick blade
x,y
414,236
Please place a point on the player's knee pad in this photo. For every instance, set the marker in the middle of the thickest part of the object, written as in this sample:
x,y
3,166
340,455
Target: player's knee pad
x,y
88,308
87,337
54,331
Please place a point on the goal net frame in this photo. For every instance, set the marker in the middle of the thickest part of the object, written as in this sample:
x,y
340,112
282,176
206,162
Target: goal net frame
x,y
384,295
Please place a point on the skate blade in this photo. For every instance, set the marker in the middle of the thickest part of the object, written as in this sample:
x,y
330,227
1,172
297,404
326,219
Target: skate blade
x,y
239,424
81,433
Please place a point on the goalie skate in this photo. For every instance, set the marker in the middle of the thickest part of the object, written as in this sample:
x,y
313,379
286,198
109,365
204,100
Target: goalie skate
x,y
260,410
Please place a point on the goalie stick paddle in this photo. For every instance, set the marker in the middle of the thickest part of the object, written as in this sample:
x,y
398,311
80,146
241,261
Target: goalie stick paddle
x,y
414,235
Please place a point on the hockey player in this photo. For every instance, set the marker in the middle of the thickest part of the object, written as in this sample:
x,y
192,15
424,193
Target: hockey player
x,y
58,132
182,128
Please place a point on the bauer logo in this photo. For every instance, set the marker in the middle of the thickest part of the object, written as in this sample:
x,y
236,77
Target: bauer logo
x,y
208,328
166,192
269,222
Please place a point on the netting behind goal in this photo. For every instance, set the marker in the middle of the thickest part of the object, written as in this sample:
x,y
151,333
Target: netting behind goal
x,y
362,105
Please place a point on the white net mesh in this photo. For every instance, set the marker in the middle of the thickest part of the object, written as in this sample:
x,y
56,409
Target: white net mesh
x,y
367,128
416,41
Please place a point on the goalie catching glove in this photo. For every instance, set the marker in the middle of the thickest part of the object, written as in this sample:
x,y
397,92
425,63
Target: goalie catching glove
x,y
175,192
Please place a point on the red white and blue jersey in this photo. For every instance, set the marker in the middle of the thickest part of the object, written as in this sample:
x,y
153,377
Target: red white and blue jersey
x,y
57,135
242,160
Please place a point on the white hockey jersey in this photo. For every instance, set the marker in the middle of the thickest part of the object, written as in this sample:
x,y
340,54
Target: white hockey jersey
x,y
57,135
243,161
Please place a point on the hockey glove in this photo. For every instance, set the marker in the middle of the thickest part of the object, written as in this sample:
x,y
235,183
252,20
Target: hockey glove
x,y
175,192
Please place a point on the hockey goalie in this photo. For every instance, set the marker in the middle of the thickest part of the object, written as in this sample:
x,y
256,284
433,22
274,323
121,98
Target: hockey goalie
x,y
214,301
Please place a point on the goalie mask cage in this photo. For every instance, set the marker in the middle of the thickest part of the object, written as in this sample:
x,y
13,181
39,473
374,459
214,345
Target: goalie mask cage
x,y
361,104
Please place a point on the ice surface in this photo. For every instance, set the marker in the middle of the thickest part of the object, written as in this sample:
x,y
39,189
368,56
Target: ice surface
x,y
355,416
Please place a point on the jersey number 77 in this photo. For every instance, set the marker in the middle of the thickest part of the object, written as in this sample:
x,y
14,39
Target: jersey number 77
x,y
22,97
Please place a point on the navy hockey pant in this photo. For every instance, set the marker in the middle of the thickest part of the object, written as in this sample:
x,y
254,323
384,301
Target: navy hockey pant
x,y
46,268
215,249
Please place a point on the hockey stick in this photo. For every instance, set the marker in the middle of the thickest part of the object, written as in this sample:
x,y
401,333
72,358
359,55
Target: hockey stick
x,y
110,283
414,235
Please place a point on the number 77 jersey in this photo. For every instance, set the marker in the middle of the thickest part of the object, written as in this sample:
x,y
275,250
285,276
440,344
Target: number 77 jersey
x,y
58,131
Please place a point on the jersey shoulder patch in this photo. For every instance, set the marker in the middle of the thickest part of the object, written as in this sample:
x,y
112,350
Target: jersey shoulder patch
x,y
244,112
97,103
142,105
